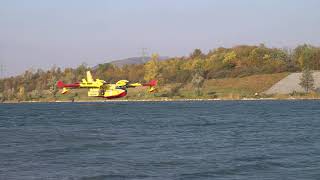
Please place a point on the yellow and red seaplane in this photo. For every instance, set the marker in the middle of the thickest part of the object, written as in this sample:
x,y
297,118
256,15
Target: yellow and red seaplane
x,y
100,88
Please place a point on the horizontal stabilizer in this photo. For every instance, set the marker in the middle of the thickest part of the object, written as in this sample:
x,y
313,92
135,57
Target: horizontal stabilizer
x,y
152,89
64,91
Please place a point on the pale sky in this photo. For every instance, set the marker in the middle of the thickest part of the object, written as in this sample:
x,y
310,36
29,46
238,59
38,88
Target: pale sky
x,y
42,33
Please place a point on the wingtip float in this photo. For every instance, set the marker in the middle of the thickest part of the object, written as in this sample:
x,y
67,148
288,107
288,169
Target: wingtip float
x,y
100,88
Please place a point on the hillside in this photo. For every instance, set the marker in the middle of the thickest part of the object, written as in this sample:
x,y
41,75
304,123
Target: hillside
x,y
240,71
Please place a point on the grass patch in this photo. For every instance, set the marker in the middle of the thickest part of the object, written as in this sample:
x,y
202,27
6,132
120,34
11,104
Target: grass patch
x,y
245,86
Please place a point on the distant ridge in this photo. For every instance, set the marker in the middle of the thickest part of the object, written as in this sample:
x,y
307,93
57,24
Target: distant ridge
x,y
135,60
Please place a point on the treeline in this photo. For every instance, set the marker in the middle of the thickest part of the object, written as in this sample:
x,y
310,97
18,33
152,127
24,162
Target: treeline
x,y
222,62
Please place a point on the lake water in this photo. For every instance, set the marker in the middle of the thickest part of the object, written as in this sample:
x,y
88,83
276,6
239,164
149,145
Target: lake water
x,y
161,140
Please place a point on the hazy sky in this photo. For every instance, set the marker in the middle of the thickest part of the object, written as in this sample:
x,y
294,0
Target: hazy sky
x,y
43,33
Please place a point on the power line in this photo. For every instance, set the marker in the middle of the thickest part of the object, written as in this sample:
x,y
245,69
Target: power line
x,y
144,54
2,71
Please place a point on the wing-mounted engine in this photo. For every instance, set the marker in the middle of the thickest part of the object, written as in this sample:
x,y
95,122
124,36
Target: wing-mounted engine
x,y
122,84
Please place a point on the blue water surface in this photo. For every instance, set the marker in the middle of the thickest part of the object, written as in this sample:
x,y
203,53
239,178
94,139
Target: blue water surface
x,y
161,140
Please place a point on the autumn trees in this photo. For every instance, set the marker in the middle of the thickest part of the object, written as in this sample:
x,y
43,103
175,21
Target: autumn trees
x,y
221,62
307,56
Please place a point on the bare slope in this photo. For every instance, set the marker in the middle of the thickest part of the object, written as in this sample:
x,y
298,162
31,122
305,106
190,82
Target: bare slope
x,y
290,84
242,87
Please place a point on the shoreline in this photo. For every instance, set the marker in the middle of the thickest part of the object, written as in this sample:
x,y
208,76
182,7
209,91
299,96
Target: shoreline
x,y
162,100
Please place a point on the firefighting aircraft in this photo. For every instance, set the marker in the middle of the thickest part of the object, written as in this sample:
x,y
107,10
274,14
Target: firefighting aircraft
x,y
100,88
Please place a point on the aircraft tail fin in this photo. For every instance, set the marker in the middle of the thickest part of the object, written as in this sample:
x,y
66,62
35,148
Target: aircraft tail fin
x,y
151,83
89,77
60,84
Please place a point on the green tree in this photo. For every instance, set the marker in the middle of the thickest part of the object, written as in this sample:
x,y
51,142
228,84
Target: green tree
x,y
197,53
21,94
81,70
306,80
197,82
306,56
53,87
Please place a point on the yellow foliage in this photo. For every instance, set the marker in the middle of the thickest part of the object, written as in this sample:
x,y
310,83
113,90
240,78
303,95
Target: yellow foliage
x,y
21,92
152,68
229,57
266,57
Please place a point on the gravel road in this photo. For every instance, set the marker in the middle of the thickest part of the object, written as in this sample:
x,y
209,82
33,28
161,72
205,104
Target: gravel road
x,y
291,83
